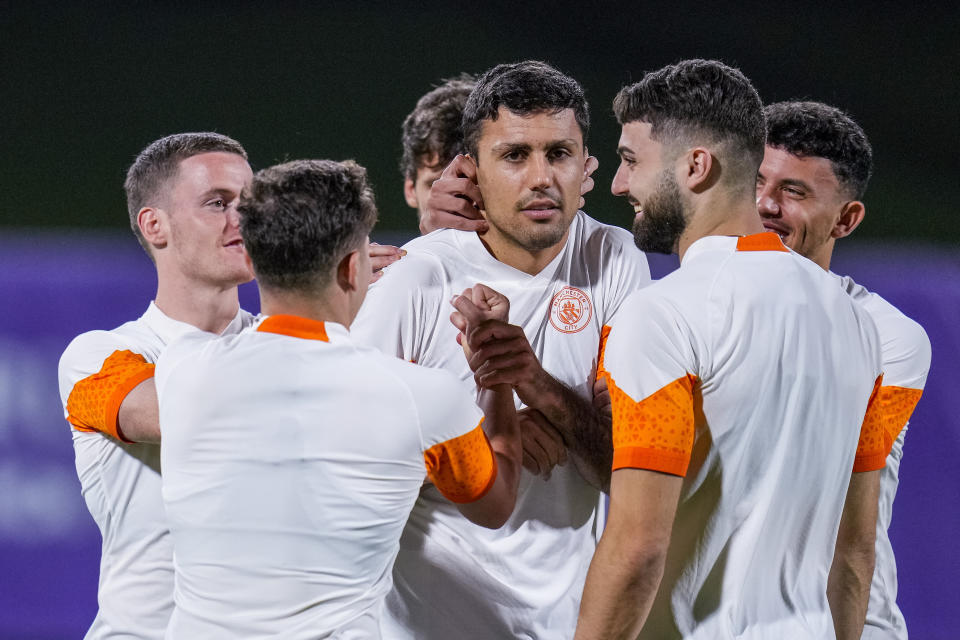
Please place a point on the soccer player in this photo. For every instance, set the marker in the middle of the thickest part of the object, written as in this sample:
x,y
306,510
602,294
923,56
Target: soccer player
x,y
431,139
740,387
525,127
182,193
810,191
291,456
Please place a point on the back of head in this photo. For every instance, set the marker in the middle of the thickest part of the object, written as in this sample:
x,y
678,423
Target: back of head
x,y
301,218
524,88
156,165
701,102
431,132
814,129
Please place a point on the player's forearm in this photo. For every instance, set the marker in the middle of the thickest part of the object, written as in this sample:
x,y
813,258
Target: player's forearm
x,y
848,589
619,591
585,430
503,432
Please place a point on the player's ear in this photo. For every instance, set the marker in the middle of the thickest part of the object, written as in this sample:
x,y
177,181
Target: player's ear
x,y
410,193
850,218
698,169
153,228
348,272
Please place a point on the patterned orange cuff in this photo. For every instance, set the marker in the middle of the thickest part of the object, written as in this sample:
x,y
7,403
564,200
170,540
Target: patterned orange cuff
x,y
94,402
463,469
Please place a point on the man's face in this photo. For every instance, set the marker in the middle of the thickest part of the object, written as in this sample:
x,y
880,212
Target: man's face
x,y
529,170
203,225
416,191
801,200
652,189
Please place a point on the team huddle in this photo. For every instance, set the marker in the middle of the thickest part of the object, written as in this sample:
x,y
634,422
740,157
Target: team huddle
x,y
421,443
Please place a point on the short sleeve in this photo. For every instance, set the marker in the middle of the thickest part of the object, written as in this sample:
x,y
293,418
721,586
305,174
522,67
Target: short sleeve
x,y
651,376
457,455
96,374
401,310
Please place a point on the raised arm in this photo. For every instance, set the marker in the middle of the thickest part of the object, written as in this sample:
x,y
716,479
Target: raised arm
x,y
476,305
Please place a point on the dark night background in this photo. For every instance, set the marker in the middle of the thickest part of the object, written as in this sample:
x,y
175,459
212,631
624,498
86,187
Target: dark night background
x,y
85,87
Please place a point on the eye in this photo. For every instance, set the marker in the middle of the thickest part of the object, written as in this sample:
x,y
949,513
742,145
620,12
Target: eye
x,y
218,203
514,156
559,153
793,191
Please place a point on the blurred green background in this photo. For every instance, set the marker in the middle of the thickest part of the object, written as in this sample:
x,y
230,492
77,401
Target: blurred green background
x,y
86,86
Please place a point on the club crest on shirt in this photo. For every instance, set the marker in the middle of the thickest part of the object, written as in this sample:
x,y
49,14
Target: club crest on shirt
x,y
570,310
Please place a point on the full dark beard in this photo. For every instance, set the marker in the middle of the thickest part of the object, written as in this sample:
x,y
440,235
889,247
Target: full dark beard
x,y
659,229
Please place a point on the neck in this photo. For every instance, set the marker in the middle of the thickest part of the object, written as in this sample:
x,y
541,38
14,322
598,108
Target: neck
x,y
508,252
207,308
720,214
322,308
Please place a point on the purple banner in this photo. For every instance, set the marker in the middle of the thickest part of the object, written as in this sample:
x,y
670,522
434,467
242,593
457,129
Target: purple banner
x,y
54,286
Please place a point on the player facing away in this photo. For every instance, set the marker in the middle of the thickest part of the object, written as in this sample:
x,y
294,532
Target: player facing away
x,y
291,456
525,127
810,191
740,387
182,192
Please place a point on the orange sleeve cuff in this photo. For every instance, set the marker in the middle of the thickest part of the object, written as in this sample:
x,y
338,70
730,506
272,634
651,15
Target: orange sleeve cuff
x,y
94,402
463,469
871,449
896,405
657,432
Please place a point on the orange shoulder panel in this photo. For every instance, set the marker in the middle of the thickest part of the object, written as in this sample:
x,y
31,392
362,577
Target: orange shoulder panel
x,y
657,432
463,469
871,449
94,402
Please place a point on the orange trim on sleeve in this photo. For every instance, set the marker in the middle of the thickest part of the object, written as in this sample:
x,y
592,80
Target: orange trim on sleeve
x,y
94,402
463,469
604,334
295,327
896,405
657,432
871,449
766,241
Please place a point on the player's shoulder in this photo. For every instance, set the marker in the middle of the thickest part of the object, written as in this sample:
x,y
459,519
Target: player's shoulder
x,y
94,346
600,233
899,333
425,259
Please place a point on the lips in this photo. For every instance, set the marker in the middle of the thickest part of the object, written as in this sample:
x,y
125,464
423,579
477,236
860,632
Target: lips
x,y
540,209
777,229
236,243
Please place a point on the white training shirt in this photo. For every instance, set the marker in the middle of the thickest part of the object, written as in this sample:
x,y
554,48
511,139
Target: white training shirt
x,y
906,361
291,460
748,372
121,481
454,579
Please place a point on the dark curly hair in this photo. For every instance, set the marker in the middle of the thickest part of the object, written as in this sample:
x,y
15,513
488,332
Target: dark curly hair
x,y
433,127
300,218
699,101
524,88
816,129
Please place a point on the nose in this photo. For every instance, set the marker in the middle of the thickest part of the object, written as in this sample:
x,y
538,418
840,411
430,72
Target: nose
x,y
619,186
767,205
540,173
233,216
